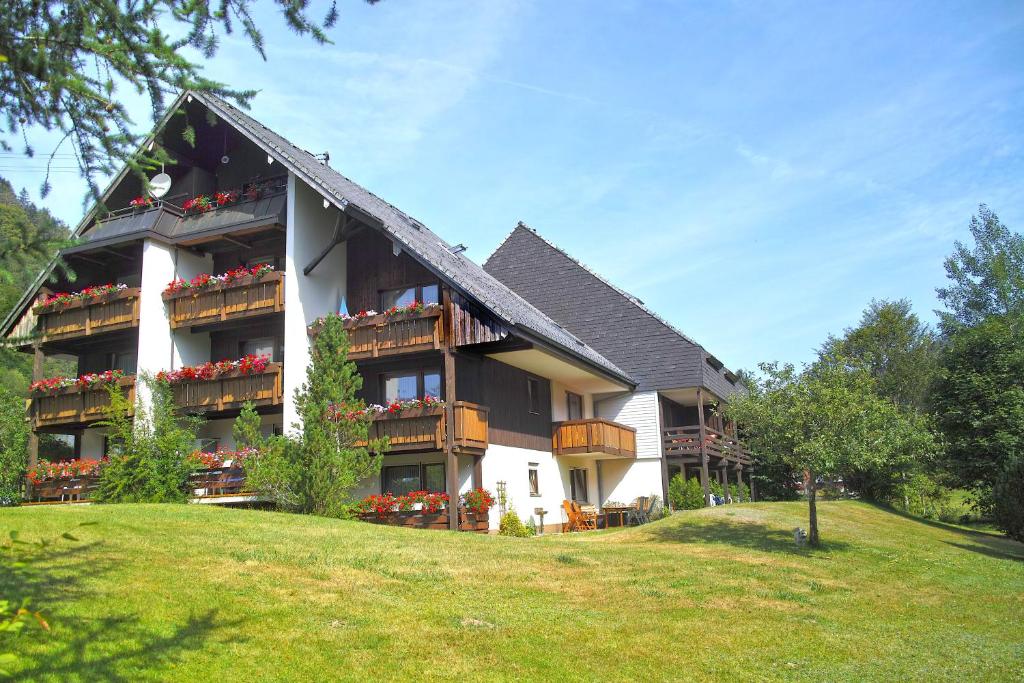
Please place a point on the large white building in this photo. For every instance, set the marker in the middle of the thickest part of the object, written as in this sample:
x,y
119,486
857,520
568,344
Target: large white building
x,y
555,384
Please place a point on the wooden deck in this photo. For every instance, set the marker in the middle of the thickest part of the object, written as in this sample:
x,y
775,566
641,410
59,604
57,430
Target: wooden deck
x,y
686,442
245,298
594,437
80,319
75,406
423,429
230,391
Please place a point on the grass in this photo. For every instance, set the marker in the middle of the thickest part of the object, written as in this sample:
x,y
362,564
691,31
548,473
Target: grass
x,y
198,593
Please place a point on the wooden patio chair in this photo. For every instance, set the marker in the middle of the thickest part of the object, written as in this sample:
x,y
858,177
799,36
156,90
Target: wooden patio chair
x,y
573,519
587,519
639,514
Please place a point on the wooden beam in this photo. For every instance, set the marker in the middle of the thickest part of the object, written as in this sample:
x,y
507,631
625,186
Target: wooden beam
x,y
661,442
702,434
452,460
753,498
724,476
739,481
237,243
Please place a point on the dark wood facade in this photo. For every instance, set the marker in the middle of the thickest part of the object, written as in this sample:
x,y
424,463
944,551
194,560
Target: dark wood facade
x,y
504,390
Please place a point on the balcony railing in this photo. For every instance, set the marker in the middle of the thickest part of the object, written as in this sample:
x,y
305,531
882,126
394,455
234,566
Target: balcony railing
x,y
75,405
423,429
243,298
230,391
683,441
593,437
382,335
117,311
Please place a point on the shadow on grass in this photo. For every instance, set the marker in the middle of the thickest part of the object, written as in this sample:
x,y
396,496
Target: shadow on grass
x,y
56,574
738,534
985,543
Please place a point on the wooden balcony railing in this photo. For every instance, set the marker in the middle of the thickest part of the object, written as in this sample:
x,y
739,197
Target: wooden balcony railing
x,y
244,298
118,311
74,406
683,441
593,437
230,391
423,429
382,335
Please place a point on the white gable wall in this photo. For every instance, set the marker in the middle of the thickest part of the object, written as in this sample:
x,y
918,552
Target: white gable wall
x,y
624,480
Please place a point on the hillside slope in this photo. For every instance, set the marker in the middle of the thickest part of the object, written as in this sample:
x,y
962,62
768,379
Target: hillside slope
x,y
195,593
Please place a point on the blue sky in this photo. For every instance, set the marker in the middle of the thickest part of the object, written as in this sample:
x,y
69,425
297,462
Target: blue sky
x,y
755,172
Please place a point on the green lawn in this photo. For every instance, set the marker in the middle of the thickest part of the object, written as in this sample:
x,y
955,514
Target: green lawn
x,y
198,593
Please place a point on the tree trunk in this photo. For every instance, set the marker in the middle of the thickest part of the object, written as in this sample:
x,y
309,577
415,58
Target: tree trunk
x,y
812,496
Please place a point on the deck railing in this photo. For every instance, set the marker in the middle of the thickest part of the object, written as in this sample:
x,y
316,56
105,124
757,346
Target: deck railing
x,y
594,436
246,297
230,391
118,311
383,335
687,441
423,429
76,405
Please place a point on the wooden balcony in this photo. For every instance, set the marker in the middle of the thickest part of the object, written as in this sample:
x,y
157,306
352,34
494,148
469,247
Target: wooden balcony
x,y
74,407
80,319
245,298
423,429
230,391
686,441
595,437
382,335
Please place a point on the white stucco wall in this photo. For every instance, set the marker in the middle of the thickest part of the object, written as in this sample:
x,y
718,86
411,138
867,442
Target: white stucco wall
x,y
159,348
624,480
560,403
511,465
310,228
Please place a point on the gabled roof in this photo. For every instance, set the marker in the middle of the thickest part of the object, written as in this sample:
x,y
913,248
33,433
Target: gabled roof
x,y
417,240
653,351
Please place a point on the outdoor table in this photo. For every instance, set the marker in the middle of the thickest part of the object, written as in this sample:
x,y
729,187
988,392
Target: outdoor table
x,y
613,510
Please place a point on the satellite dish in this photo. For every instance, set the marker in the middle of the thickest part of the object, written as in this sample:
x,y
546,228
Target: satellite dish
x,y
159,185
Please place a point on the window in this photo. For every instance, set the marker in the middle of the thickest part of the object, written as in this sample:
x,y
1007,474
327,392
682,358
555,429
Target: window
x,y
427,294
433,478
575,405
112,445
260,260
404,386
263,346
578,485
533,389
125,361
402,479
534,480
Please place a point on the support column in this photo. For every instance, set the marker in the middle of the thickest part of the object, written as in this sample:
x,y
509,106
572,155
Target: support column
x,y
753,498
724,476
33,439
702,435
451,459
661,449
739,481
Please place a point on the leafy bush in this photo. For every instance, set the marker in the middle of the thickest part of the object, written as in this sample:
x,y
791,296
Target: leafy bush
x,y
13,444
1008,503
154,462
685,494
739,492
716,489
316,470
511,525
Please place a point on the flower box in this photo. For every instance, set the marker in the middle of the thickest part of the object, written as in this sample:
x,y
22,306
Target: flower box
x,y
414,519
243,281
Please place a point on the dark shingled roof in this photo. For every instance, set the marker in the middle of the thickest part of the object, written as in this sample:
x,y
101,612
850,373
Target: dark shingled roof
x,y
614,322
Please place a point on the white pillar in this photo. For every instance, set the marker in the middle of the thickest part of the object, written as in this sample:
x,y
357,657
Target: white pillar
x,y
159,349
307,297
